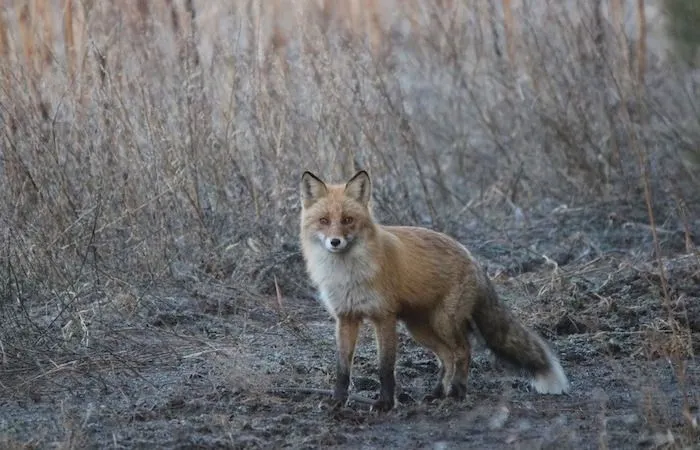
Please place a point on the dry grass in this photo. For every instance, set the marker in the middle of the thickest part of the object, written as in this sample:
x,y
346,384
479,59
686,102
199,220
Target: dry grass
x,y
171,160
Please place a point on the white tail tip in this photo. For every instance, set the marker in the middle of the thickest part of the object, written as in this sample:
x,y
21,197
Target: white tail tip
x,y
553,381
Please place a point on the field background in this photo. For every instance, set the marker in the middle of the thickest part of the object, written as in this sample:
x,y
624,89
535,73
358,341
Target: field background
x,y
152,292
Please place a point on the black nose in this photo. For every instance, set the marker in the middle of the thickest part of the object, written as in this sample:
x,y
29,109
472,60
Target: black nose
x,y
335,242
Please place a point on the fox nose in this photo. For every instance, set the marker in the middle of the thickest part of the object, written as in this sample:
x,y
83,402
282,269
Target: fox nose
x,y
335,242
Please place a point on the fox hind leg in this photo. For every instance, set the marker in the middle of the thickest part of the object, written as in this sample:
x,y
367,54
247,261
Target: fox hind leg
x,y
458,385
438,390
463,352
452,347
425,335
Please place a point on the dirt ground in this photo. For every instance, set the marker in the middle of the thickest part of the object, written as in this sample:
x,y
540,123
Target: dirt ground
x,y
197,367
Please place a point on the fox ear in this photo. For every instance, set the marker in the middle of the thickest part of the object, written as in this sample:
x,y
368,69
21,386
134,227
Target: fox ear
x,y
359,187
312,188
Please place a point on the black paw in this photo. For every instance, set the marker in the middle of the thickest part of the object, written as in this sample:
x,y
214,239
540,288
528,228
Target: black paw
x,y
338,400
458,391
383,404
437,393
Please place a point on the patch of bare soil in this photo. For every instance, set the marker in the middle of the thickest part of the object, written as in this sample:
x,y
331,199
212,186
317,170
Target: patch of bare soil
x,y
209,375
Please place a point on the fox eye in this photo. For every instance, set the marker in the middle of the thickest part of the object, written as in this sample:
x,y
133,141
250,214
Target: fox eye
x,y
324,221
347,220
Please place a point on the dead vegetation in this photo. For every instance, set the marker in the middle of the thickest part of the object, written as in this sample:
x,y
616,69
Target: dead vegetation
x,y
150,157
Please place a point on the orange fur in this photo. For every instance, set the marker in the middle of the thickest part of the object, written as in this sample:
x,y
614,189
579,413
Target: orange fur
x,y
423,278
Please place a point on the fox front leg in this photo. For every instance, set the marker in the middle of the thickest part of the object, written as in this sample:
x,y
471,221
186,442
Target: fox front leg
x,y
385,331
347,329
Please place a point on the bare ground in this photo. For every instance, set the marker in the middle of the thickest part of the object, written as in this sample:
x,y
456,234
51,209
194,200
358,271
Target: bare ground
x,y
203,365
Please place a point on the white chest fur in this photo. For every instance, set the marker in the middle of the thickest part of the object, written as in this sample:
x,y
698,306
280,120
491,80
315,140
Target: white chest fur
x,y
344,281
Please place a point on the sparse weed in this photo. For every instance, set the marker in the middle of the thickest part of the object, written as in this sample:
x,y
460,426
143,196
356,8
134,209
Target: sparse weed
x,y
168,155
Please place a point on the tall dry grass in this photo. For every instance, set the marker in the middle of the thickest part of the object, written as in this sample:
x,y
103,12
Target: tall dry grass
x,y
170,154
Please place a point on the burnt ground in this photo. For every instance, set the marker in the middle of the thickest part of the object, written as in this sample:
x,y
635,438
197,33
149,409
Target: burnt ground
x,y
205,365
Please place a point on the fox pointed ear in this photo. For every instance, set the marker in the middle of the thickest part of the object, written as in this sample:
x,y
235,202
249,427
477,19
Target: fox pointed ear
x,y
312,188
359,187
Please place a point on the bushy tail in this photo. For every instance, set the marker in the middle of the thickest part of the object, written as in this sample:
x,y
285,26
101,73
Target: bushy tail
x,y
511,340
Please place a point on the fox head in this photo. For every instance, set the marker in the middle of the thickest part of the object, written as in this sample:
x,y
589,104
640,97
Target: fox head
x,y
335,216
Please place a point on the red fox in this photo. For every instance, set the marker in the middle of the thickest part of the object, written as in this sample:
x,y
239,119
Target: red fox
x,y
423,278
